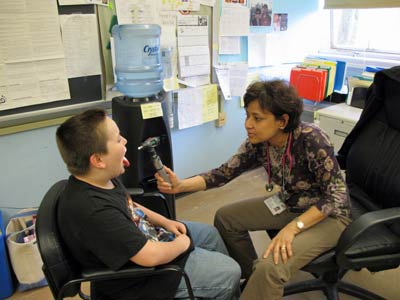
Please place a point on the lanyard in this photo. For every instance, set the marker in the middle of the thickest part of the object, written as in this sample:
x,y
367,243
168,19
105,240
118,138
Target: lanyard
x,y
287,154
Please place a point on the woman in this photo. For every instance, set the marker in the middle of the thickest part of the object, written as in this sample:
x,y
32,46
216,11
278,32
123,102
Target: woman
x,y
306,197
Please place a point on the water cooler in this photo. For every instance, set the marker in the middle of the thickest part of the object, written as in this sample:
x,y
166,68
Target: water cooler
x,y
139,77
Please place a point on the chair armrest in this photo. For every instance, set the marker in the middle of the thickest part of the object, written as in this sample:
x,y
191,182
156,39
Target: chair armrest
x,y
353,232
100,274
135,191
135,272
107,274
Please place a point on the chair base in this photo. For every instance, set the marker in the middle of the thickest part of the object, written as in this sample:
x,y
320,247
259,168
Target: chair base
x,y
331,290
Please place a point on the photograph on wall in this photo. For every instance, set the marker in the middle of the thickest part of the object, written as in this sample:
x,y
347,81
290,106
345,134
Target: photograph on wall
x,y
260,12
280,22
235,2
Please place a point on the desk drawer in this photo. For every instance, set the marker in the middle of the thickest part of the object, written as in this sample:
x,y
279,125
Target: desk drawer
x,y
336,129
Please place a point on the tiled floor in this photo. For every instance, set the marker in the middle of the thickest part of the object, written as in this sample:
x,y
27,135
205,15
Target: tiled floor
x,y
201,207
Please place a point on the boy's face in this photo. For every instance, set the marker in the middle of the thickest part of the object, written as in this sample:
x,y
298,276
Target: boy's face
x,y
115,160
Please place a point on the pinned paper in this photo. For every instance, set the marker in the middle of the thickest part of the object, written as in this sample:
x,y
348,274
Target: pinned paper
x,y
171,84
151,110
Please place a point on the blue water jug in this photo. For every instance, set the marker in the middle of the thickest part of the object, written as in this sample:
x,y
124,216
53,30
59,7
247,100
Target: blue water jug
x,y
137,59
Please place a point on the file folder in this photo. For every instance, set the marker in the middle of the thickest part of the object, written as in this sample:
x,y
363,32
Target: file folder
x,y
309,83
332,72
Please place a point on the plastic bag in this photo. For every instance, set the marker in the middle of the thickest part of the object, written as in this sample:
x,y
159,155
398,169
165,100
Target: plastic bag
x,y
24,253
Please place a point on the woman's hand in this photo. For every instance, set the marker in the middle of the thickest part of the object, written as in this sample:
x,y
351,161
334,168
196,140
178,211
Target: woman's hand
x,y
281,244
175,227
166,187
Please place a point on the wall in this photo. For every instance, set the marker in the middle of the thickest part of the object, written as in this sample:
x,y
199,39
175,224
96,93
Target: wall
x,y
30,162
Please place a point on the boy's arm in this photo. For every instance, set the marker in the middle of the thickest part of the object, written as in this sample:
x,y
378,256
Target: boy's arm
x,y
156,219
157,253
153,217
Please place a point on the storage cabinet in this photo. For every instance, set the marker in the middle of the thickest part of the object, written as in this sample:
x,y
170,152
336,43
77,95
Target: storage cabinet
x,y
337,121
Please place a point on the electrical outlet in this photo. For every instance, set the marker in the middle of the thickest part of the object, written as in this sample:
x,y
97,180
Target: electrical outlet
x,y
221,119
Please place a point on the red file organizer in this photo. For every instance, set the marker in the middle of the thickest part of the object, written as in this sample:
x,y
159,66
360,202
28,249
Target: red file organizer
x,y
309,83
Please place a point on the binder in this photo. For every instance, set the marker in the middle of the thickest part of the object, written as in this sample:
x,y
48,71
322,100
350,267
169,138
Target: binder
x,y
341,68
332,73
309,83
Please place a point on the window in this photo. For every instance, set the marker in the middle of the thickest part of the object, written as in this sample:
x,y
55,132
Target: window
x,y
370,30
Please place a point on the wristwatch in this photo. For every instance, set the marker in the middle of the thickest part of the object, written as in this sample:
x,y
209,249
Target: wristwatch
x,y
299,224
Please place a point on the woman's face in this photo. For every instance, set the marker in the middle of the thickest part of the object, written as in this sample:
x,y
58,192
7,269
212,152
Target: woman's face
x,y
261,125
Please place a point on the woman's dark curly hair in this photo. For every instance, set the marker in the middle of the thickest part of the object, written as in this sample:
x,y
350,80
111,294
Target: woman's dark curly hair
x,y
279,98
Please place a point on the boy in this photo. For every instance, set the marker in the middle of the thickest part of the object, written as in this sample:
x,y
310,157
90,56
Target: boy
x,y
103,226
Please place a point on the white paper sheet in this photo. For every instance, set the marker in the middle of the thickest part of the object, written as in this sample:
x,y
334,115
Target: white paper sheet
x,y
72,2
193,46
137,11
197,105
232,79
81,44
207,2
190,106
192,5
229,45
222,72
237,78
32,57
234,21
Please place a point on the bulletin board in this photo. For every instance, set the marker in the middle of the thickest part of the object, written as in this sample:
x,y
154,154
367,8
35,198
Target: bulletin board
x,y
82,88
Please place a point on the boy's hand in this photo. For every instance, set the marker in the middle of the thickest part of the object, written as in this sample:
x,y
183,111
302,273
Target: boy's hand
x,y
175,227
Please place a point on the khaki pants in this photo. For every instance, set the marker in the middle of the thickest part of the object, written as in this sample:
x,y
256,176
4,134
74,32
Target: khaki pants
x,y
265,279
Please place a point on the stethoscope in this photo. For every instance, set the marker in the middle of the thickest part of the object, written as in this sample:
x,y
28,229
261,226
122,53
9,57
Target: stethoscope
x,y
286,155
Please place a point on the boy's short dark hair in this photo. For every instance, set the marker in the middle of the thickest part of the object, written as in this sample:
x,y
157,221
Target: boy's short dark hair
x,y
81,136
279,98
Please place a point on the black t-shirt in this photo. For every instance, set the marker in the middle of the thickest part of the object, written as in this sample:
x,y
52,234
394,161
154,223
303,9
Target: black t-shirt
x,y
96,226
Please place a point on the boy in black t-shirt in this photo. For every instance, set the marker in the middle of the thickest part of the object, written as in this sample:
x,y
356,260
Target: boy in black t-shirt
x,y
103,226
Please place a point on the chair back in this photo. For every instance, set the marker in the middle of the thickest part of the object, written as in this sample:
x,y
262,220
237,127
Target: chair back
x,y
373,160
58,265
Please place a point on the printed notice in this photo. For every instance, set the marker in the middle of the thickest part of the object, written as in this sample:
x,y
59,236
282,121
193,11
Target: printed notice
x,y
151,110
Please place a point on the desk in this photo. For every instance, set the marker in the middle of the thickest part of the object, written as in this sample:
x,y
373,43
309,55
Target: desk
x,y
337,121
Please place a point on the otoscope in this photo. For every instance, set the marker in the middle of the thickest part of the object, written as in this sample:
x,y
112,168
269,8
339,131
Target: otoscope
x,y
150,145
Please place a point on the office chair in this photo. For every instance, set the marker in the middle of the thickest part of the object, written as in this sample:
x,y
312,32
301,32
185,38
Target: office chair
x,y
64,275
371,157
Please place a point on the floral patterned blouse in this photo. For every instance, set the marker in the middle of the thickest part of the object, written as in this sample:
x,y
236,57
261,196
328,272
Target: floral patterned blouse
x,y
314,178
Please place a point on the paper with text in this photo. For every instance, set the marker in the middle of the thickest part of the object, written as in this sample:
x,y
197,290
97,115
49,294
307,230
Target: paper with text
x,y
151,110
197,105
234,21
81,44
193,46
32,59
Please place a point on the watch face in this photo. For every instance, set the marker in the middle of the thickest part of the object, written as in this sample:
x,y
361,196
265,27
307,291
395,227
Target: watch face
x,y
300,224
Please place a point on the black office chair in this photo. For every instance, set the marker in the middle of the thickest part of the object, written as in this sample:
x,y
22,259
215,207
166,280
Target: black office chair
x,y
64,275
371,157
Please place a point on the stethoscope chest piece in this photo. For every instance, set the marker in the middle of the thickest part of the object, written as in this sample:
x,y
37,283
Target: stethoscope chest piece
x,y
269,187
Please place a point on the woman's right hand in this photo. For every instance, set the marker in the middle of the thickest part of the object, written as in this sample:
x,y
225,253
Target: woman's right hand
x,y
166,187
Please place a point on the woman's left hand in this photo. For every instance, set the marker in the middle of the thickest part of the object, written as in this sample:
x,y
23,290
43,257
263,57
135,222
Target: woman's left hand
x,y
281,244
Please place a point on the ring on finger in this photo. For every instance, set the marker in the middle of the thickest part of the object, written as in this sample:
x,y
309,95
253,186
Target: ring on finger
x,y
283,248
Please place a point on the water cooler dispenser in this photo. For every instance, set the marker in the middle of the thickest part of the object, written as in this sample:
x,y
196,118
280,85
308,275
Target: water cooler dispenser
x,y
139,77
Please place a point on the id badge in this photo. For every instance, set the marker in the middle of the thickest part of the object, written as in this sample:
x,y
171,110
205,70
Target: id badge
x,y
275,204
